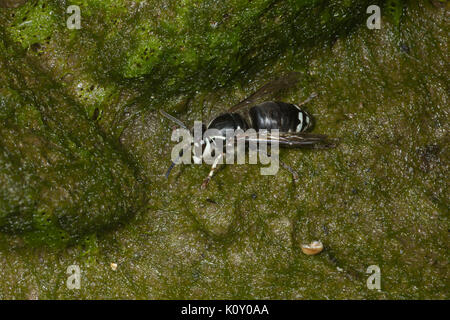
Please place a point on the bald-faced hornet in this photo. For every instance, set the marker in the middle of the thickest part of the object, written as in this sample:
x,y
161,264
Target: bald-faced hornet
x,y
289,120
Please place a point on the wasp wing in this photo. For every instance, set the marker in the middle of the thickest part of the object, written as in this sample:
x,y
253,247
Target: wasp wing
x,y
291,139
268,90
305,139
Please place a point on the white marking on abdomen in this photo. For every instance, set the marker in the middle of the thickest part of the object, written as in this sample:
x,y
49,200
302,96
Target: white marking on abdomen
x,y
300,118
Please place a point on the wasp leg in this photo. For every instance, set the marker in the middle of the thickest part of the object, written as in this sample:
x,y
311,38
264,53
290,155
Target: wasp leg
x,y
211,173
292,171
286,167
312,96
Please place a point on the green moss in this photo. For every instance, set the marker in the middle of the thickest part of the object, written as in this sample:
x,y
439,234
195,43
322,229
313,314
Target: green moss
x,y
33,22
145,56
61,178
187,38
394,9
379,198
45,231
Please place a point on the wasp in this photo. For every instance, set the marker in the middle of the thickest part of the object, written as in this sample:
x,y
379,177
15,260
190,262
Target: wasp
x,y
291,121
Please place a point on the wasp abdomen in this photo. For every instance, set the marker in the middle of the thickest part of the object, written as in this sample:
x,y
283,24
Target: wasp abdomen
x,y
228,121
285,117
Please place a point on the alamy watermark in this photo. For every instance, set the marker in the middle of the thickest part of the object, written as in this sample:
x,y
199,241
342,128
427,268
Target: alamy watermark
x,y
74,277
374,280
74,21
212,147
374,20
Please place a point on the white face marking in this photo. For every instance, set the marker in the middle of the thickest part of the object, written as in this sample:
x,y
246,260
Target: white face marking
x,y
300,118
207,148
197,158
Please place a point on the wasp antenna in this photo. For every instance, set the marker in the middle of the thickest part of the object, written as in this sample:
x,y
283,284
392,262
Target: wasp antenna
x,y
172,118
172,165
170,169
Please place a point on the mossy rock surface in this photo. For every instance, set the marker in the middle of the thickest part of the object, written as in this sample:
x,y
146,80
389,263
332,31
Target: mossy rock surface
x,y
62,178
83,150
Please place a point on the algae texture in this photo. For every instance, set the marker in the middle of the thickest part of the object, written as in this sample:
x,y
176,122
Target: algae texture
x,y
83,150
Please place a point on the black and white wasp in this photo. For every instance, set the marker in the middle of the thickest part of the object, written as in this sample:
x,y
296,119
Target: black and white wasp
x,y
290,120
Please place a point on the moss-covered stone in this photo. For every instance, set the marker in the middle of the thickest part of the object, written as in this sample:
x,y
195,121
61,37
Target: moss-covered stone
x,y
379,198
61,177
